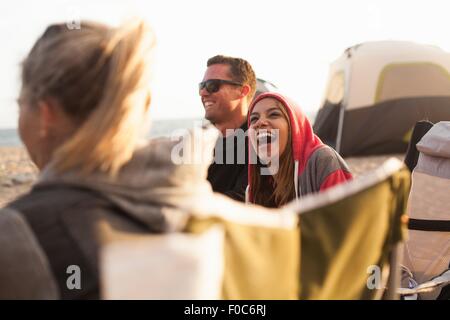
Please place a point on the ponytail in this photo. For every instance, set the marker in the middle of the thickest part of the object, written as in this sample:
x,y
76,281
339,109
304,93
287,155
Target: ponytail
x,y
107,138
100,76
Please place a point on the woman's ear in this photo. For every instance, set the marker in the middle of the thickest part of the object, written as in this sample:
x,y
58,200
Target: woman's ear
x,y
47,117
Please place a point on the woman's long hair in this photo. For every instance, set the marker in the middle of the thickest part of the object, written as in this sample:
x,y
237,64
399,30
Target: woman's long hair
x,y
100,77
275,191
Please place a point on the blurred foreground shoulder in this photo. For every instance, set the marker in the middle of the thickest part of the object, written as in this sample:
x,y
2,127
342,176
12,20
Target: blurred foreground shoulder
x,y
24,269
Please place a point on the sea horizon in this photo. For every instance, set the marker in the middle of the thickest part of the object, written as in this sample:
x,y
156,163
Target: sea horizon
x,y
9,137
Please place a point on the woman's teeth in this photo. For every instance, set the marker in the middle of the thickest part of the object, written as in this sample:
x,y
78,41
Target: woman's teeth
x,y
265,137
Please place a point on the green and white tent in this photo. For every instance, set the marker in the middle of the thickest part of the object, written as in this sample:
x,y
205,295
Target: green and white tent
x,y
377,91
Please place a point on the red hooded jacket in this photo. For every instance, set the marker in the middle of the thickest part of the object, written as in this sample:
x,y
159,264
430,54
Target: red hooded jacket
x,y
316,165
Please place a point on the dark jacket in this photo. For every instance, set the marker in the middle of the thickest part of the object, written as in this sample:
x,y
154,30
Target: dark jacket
x,y
66,219
228,173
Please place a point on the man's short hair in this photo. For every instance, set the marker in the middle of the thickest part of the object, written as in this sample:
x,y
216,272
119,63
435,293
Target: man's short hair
x,y
241,71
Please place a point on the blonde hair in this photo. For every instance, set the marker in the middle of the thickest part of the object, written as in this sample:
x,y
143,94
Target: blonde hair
x,y
100,76
279,190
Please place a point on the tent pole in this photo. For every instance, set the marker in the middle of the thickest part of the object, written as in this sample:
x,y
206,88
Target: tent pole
x,y
343,104
340,125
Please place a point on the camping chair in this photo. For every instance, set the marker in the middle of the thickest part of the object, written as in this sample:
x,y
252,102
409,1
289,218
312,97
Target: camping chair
x,y
350,236
427,250
318,248
240,252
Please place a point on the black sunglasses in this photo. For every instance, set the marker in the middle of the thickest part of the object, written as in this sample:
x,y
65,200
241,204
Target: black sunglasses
x,y
213,85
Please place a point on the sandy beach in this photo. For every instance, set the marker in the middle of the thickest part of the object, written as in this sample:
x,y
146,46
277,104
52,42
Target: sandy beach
x,y
18,173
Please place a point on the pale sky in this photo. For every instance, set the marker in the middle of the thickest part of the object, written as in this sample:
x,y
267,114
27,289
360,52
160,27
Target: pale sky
x,y
290,43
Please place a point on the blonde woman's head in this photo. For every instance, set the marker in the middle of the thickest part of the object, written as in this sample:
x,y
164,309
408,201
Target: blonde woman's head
x,y
85,95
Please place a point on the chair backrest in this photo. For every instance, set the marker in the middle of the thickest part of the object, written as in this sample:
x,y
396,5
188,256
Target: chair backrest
x,y
427,251
171,266
350,233
239,252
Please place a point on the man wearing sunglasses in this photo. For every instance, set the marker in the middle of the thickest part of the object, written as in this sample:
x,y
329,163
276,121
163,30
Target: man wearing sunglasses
x,y
226,91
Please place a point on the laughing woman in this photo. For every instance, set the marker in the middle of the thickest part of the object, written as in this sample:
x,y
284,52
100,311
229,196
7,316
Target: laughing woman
x,y
291,161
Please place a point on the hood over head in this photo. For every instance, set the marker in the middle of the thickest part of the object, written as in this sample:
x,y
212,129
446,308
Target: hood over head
x,y
304,141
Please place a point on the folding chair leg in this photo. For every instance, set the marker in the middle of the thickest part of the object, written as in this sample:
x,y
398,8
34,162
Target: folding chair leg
x,y
394,280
